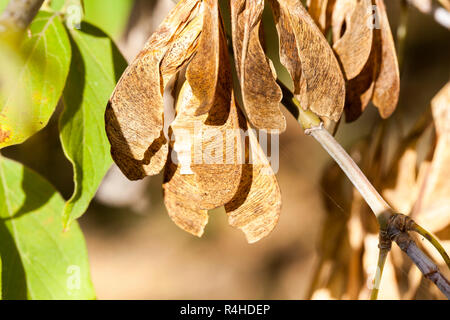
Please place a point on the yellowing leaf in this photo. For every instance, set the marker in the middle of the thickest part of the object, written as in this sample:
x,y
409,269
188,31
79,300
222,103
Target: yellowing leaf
x,y
38,79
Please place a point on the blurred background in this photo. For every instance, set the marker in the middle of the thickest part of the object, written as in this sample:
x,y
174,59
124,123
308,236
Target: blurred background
x,y
137,252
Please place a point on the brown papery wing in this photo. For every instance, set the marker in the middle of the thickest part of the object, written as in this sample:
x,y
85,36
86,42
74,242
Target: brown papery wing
x,y
387,84
134,115
353,49
210,146
342,12
318,11
256,207
203,71
325,85
260,92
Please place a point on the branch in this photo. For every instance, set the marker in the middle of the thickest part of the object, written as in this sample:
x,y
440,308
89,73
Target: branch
x,y
384,246
393,227
420,259
383,253
313,126
432,239
20,13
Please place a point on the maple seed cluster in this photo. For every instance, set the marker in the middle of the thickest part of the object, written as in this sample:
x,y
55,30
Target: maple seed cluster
x,y
189,51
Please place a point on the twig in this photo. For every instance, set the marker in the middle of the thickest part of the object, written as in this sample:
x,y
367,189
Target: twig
x,y
312,125
432,239
20,13
392,226
420,259
384,246
383,253
405,223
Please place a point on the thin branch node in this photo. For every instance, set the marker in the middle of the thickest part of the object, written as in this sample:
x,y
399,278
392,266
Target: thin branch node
x,y
385,242
309,131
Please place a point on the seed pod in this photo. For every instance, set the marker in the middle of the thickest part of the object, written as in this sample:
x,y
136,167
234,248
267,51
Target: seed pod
x,y
353,49
134,115
387,84
260,92
325,86
256,206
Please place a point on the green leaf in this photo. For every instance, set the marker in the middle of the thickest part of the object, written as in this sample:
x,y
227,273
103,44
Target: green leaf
x,y
111,18
3,4
96,67
40,261
0,278
38,81
57,5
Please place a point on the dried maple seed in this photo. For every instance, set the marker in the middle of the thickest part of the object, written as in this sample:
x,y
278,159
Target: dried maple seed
x,y
260,92
321,87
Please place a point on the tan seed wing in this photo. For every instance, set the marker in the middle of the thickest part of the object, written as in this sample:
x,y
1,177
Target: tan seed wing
x,y
342,12
260,92
324,81
203,71
353,49
387,85
134,115
289,55
318,11
256,207
206,146
359,90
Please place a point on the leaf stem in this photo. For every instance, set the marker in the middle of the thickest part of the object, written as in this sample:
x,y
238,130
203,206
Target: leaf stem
x,y
393,227
432,239
313,126
421,260
382,256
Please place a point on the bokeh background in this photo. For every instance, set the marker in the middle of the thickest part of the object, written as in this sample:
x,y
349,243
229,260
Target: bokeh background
x,y
137,252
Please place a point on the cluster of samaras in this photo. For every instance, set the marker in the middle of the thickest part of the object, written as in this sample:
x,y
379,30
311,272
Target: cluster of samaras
x,y
190,47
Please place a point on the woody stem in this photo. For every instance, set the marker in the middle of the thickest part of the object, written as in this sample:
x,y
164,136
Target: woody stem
x,y
20,13
388,232
313,126
382,256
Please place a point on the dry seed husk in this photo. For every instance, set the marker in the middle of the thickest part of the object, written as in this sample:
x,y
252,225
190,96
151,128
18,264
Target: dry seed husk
x,y
203,71
433,207
260,92
318,11
134,115
213,159
325,85
353,48
342,12
255,209
387,84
